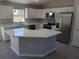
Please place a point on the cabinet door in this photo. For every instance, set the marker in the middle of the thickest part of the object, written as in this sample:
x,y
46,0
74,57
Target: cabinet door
x,y
27,13
33,13
44,13
30,13
69,9
38,13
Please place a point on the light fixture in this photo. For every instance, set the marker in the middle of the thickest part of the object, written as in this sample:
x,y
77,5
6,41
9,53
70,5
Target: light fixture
x,y
36,0
50,13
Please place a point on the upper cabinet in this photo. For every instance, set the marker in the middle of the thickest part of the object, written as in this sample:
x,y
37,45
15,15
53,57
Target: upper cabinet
x,y
30,13
56,10
63,9
44,11
33,13
41,13
6,12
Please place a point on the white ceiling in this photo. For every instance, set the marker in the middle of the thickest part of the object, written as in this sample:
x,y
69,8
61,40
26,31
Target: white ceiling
x,y
1,0
29,1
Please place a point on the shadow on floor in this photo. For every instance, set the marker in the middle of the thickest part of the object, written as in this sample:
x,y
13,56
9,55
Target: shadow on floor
x,y
63,51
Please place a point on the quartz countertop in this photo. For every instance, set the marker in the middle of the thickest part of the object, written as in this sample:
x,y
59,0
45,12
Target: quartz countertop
x,y
19,24
24,32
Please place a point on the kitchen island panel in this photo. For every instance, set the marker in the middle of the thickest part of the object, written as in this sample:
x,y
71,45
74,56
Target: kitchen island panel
x,y
34,46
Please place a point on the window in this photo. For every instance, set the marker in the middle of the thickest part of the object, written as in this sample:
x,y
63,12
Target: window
x,y
18,15
19,32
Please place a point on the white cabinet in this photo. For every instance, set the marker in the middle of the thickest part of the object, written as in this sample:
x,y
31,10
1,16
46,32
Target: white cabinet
x,y
44,13
33,13
56,10
39,13
63,9
30,13
6,12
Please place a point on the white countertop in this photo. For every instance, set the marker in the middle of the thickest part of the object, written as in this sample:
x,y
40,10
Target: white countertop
x,y
19,24
23,32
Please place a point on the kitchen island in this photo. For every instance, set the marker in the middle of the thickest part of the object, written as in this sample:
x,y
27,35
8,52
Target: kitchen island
x,y
39,43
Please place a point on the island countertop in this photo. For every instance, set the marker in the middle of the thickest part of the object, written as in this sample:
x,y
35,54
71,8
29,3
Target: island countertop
x,y
24,32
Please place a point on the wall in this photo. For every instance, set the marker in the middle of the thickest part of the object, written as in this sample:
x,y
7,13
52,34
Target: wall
x,y
14,5
76,3
75,26
32,20
0,34
6,14
59,3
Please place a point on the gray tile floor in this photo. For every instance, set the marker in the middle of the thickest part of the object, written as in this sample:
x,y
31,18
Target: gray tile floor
x,y
62,52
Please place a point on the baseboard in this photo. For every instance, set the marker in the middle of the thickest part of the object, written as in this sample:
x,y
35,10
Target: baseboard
x,y
33,55
38,55
49,52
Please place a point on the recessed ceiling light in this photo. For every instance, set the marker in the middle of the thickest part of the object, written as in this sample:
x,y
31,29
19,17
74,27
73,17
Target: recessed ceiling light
x,y
36,0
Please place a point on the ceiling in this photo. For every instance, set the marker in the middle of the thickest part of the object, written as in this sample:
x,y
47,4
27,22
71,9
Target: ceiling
x,y
0,0
29,1
40,2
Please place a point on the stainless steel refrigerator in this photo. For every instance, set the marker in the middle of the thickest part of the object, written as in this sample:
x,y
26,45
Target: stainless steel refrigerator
x,y
64,24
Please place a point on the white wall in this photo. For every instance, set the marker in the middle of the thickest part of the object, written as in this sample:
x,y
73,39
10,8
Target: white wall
x,y
59,3
0,34
75,28
6,14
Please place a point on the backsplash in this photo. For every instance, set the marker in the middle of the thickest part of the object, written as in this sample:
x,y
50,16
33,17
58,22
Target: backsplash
x,y
6,21
32,20
35,21
27,21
